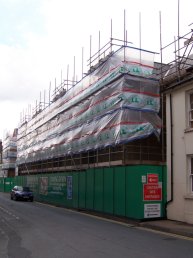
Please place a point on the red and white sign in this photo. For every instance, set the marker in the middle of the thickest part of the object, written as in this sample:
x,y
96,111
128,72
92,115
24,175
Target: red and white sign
x,y
152,192
152,178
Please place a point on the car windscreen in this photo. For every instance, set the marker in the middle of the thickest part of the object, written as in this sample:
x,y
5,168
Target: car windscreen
x,y
26,189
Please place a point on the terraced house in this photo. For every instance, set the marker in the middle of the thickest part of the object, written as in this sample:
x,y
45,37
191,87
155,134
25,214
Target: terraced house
x,y
178,87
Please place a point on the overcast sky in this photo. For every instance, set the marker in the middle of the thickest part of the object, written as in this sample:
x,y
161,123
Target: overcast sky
x,y
39,38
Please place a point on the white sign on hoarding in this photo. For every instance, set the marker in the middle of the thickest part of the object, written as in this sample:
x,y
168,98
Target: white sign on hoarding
x,y
152,210
143,179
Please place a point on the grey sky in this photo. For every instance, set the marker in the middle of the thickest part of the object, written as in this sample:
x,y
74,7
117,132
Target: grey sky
x,y
18,17
39,38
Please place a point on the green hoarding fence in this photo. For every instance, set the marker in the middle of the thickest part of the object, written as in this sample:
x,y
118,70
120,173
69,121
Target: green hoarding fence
x,y
137,191
2,184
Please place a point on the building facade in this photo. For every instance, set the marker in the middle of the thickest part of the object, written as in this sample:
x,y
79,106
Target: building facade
x,y
111,117
9,155
99,145
178,87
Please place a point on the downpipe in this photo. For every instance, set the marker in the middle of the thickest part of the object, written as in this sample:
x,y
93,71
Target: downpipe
x,y
171,154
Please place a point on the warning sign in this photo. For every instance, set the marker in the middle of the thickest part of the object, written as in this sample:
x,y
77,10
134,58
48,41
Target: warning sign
x,y
152,178
152,192
152,210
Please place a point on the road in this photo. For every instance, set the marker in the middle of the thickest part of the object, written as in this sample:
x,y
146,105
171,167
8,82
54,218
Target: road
x,y
35,230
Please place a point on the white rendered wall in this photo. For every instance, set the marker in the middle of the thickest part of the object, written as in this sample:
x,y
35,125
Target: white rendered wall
x,y
181,208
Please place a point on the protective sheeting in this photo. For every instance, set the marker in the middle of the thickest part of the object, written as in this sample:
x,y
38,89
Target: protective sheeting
x,y
9,152
121,125
126,60
117,103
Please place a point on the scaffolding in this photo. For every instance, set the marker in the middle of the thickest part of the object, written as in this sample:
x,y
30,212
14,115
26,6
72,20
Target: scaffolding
x,y
141,152
180,66
9,155
110,117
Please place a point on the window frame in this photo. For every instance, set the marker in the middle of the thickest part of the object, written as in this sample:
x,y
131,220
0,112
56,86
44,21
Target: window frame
x,y
190,174
190,109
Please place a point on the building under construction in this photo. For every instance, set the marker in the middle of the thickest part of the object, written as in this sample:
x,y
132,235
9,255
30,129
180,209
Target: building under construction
x,y
110,117
8,154
99,143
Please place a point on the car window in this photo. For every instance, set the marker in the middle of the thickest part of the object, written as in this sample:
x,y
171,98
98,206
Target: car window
x,y
26,189
20,188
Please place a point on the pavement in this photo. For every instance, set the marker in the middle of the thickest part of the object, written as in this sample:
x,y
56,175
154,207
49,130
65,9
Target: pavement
x,y
169,226
163,225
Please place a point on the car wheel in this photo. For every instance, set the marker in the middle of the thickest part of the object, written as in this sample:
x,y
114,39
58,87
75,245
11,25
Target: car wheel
x,y
15,198
31,200
11,198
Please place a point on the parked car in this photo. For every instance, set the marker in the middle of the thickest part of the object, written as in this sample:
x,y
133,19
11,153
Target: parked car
x,y
22,193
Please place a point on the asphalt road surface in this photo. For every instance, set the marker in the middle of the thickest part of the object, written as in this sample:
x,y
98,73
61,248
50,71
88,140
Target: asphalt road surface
x,y
35,230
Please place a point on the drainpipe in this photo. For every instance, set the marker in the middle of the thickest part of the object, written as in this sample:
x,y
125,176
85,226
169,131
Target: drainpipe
x,y
171,153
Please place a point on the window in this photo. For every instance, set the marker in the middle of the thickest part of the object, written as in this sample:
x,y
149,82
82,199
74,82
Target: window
x,y
191,174
191,110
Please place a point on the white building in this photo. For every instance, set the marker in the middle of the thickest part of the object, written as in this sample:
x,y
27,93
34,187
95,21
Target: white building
x,y
178,87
